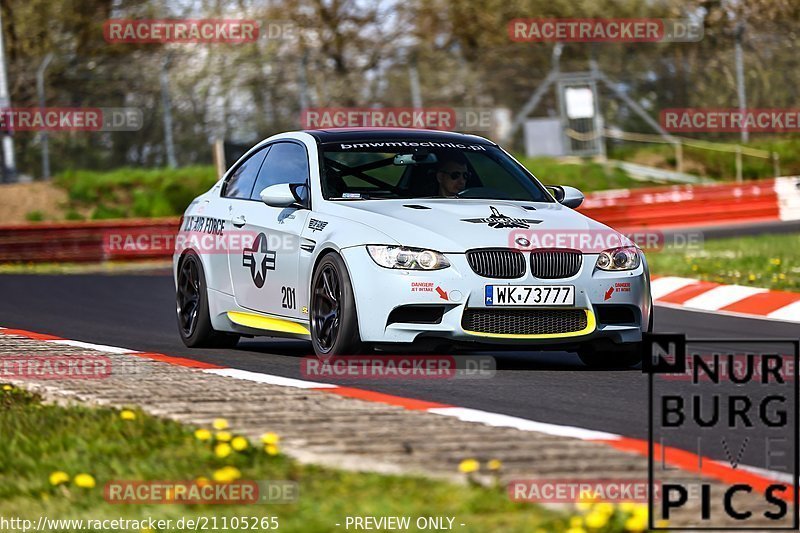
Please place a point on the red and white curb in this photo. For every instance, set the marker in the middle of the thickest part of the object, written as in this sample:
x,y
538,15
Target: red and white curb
x,y
757,478
693,294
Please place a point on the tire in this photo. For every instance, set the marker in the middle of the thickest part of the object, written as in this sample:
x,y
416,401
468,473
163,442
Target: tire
x,y
610,355
194,322
334,323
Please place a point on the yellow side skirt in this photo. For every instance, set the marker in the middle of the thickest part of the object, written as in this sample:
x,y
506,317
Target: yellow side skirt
x,y
267,323
591,324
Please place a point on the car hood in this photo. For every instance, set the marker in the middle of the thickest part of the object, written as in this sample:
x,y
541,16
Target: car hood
x,y
456,225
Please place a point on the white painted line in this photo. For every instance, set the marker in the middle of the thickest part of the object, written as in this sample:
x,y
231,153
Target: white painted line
x,y
90,346
719,297
660,287
268,378
770,474
498,420
789,312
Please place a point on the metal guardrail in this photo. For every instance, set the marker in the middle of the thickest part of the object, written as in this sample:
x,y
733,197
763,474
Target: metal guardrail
x,y
83,241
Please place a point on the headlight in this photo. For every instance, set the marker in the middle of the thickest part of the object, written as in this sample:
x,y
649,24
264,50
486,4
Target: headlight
x,y
407,258
625,258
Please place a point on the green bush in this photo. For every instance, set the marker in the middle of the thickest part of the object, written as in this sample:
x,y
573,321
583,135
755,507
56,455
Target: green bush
x,y
34,216
134,192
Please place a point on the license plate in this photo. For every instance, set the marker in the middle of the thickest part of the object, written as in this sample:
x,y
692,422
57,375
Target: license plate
x,y
530,295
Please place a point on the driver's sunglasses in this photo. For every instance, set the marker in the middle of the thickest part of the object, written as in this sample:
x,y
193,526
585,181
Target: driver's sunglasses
x,y
456,174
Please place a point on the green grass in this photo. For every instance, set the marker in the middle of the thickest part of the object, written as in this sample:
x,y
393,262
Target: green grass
x,y
585,175
38,439
135,192
769,261
715,164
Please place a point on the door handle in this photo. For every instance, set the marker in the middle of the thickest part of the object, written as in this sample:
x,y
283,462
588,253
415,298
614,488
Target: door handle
x,y
238,221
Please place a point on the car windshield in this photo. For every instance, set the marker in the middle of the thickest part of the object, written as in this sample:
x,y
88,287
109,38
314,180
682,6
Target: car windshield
x,y
424,169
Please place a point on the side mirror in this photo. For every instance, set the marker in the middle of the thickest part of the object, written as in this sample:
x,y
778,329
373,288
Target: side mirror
x,y
279,195
566,195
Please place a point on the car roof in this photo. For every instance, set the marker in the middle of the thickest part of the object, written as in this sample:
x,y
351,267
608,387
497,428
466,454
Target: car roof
x,y
392,134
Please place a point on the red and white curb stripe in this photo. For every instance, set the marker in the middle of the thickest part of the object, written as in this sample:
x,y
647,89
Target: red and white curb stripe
x,y
699,295
757,478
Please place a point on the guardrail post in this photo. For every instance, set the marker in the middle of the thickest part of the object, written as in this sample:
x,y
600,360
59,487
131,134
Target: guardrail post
x,y
679,157
738,163
776,164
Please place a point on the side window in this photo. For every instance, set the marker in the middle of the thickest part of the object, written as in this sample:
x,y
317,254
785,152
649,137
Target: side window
x,y
286,163
240,184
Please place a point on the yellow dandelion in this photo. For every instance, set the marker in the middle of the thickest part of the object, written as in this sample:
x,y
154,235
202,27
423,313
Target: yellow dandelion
x,y
751,277
576,521
222,450
220,423
627,507
85,481
224,436
494,464
270,438
641,511
7,387
775,261
781,276
583,506
636,523
239,444
226,474
202,481
695,268
604,508
58,477
202,434
127,414
271,449
468,465
576,530
596,520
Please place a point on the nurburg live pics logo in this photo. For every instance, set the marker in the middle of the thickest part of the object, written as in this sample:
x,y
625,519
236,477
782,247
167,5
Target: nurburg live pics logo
x,y
723,446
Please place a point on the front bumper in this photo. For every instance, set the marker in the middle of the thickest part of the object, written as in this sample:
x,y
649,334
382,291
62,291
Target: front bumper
x,y
378,291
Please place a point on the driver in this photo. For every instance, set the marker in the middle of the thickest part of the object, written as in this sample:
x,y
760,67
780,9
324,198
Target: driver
x,y
452,174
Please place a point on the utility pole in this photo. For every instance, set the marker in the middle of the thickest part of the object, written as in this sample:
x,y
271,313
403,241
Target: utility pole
x,y
169,144
43,134
301,78
740,89
9,170
413,78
